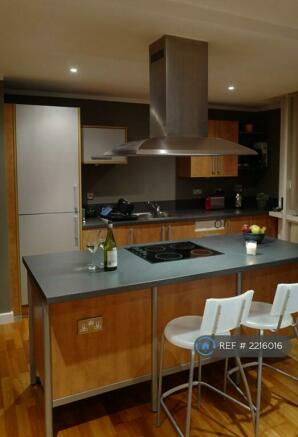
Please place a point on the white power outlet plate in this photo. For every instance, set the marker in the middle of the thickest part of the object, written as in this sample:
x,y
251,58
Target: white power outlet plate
x,y
197,191
87,326
90,196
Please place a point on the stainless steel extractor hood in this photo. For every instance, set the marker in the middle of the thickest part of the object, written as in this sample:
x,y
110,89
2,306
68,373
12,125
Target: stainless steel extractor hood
x,y
179,104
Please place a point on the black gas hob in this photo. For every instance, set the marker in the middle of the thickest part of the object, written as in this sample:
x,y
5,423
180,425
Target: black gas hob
x,y
156,253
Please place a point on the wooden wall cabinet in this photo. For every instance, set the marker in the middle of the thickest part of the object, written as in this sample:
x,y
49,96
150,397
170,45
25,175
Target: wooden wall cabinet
x,y
212,166
207,166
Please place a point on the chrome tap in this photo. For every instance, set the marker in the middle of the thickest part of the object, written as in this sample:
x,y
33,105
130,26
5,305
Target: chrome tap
x,y
154,207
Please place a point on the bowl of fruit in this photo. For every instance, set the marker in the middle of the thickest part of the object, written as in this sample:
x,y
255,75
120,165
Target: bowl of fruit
x,y
253,233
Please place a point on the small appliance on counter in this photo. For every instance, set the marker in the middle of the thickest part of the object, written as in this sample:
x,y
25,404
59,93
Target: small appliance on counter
x,y
238,196
215,202
91,211
122,211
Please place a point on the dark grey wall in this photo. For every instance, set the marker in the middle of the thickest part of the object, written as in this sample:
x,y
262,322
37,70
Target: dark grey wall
x,y
141,179
4,270
155,178
253,182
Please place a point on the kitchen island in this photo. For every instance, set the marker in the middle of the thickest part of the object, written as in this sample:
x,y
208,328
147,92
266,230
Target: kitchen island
x,y
133,305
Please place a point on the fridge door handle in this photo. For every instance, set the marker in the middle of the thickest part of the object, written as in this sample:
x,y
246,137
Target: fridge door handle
x,y
76,229
75,199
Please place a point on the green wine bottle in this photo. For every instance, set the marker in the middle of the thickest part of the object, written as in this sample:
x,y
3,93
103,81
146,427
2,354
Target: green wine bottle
x,y
110,250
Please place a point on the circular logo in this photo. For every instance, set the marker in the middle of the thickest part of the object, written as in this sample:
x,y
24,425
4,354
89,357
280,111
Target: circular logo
x,y
205,346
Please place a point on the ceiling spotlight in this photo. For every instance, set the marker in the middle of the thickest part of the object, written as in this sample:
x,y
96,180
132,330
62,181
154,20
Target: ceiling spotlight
x,y
73,69
231,88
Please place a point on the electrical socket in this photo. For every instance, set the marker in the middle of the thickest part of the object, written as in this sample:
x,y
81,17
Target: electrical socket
x,y
197,191
87,326
90,196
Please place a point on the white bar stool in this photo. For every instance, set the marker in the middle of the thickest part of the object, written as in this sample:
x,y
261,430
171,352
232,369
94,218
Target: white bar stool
x,y
264,316
219,318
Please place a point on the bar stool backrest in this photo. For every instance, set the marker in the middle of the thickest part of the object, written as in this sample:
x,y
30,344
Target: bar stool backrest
x,y
225,314
285,301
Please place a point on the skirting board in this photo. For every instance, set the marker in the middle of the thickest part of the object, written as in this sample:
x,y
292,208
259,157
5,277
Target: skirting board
x,y
6,317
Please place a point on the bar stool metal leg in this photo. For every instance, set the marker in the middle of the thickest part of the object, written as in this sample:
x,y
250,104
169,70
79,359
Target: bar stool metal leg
x,y
259,390
246,387
199,380
189,396
161,353
226,374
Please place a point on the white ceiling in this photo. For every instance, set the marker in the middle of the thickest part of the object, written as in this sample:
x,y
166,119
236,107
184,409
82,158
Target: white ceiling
x,y
252,44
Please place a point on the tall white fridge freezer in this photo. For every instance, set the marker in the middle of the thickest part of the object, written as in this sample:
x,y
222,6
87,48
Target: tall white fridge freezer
x,y
48,180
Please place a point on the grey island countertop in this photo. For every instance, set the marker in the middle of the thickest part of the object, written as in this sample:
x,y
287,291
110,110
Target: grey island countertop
x,y
180,215
64,276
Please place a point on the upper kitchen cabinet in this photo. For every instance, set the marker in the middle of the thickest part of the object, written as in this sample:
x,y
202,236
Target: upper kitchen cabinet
x,y
212,166
97,140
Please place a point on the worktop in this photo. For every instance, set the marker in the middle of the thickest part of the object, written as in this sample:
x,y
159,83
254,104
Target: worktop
x,y
64,276
130,307
180,215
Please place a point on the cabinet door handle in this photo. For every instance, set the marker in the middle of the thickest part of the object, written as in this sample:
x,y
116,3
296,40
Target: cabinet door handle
x,y
169,232
75,199
130,236
164,232
76,230
217,165
213,164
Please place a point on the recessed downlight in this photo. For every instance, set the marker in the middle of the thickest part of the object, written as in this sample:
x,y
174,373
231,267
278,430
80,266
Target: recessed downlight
x,y
231,88
73,70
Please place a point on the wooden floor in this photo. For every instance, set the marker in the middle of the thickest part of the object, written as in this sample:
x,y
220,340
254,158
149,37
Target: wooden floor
x,y
126,412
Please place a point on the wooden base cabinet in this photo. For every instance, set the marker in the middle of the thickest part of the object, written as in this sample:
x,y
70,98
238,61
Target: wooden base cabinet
x,y
234,225
139,234
122,234
153,233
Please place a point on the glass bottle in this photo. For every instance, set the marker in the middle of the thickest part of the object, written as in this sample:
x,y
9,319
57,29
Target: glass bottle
x,y
110,250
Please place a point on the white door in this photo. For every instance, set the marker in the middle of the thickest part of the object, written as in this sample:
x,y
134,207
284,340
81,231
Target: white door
x,y
46,233
47,139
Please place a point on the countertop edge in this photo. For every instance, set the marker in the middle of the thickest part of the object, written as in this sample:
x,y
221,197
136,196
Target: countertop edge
x,y
202,215
162,282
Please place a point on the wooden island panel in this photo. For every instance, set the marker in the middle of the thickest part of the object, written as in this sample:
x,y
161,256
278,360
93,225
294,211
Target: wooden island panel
x,y
189,298
264,280
121,351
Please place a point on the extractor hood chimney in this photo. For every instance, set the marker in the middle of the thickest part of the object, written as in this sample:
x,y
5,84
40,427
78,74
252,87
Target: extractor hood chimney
x,y
179,104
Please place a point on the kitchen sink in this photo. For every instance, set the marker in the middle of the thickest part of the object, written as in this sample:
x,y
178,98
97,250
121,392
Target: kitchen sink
x,y
147,215
143,215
